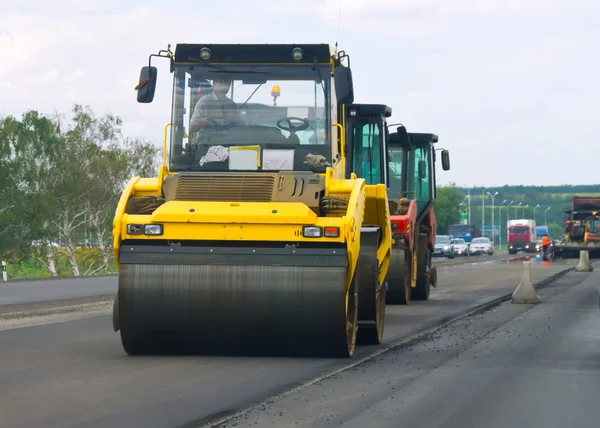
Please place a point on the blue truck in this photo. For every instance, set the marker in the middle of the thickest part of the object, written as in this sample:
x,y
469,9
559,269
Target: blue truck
x,y
541,231
464,231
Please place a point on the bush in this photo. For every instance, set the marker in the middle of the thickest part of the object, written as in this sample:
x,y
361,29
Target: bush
x,y
28,267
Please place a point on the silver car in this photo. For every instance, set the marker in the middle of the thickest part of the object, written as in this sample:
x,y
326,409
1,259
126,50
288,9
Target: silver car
x,y
460,247
481,246
443,247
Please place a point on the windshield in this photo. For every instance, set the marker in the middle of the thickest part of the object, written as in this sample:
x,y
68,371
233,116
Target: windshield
x,y
442,240
249,118
461,230
519,230
458,241
395,155
480,241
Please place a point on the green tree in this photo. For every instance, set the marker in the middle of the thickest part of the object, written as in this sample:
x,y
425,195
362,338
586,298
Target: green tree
x,y
60,181
447,207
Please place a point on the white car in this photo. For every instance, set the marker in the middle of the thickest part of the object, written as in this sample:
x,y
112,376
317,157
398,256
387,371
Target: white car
x,y
460,247
481,246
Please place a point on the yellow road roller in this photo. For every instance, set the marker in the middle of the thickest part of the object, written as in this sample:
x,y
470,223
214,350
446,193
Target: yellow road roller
x,y
254,237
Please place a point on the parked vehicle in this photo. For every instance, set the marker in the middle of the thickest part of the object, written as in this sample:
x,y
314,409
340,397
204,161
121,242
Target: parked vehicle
x,y
460,247
443,246
481,246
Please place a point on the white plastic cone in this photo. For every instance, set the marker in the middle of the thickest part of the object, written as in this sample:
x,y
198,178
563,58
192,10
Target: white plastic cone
x,y
525,292
584,264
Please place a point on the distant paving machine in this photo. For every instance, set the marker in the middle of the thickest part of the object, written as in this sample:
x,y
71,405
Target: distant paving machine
x,y
412,194
582,229
254,237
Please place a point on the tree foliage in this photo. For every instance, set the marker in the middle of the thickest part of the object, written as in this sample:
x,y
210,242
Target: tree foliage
x,y
447,207
60,181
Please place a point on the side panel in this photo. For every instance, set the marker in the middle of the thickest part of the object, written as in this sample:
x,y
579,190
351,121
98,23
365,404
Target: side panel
x,y
119,211
406,224
377,213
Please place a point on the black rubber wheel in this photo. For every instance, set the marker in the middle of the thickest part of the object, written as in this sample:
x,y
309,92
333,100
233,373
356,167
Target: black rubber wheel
x,y
401,297
423,287
372,333
116,313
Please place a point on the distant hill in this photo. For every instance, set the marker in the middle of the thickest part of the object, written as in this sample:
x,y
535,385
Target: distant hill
x,y
556,198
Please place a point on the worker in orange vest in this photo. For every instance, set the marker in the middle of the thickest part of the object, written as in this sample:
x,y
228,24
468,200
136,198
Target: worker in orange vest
x,y
545,245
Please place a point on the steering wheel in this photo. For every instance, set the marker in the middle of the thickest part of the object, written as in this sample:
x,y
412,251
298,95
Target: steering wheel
x,y
291,128
213,124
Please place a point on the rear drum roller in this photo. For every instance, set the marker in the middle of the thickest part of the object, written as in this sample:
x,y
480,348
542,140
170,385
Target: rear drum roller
x,y
242,308
398,277
372,294
424,272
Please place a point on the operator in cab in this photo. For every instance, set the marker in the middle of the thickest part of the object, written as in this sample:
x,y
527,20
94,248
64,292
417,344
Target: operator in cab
x,y
216,106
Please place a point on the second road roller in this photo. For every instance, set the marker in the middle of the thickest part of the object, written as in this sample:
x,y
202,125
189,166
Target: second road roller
x,y
253,237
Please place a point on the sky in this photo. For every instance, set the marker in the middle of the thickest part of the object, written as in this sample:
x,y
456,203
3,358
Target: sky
x,y
510,86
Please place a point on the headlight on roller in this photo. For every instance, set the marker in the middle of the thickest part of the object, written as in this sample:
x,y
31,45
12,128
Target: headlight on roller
x,y
312,232
153,229
134,229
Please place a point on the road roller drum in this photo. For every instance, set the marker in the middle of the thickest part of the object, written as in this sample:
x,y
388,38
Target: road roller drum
x,y
280,301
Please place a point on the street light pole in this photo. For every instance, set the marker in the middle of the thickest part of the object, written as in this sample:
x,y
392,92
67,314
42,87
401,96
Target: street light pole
x,y
525,206
508,210
483,211
493,196
517,209
469,196
500,224
546,217
535,208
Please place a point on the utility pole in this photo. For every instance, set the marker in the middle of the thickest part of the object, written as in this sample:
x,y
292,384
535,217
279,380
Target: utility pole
x,y
535,208
483,211
500,223
493,196
469,196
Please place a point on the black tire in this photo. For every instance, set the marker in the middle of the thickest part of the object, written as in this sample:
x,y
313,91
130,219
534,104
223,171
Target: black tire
x,y
423,287
371,295
403,297
115,319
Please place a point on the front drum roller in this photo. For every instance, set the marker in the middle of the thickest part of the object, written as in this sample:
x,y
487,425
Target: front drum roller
x,y
201,300
399,276
371,294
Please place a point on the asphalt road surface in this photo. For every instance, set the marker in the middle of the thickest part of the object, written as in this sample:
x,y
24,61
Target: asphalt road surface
x,y
19,292
75,373
513,366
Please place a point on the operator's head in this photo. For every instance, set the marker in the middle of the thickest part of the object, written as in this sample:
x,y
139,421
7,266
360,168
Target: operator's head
x,y
221,85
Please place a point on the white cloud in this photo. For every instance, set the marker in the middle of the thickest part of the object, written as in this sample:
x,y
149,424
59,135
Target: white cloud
x,y
502,82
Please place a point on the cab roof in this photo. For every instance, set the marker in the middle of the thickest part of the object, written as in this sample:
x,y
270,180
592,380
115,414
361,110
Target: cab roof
x,y
363,110
415,138
253,53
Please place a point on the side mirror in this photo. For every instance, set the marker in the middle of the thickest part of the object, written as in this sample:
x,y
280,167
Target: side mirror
x,y
445,160
403,135
344,87
147,84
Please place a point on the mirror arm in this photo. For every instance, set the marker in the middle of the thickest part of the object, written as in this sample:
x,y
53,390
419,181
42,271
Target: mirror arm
x,y
163,53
